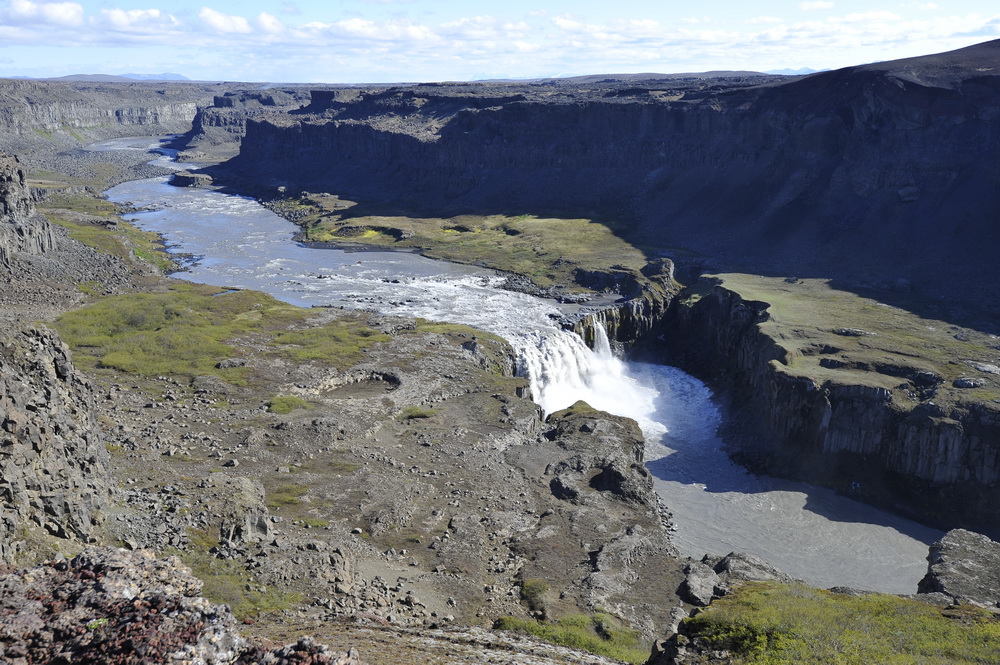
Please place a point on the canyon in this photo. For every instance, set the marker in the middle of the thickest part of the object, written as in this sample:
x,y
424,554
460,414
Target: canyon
x,y
821,187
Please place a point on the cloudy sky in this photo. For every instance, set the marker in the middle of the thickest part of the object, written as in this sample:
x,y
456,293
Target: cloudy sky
x,y
433,40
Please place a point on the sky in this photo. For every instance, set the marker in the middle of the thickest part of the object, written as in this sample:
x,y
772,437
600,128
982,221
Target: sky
x,y
377,41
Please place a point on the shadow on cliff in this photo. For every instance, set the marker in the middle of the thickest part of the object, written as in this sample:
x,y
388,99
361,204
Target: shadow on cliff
x,y
701,461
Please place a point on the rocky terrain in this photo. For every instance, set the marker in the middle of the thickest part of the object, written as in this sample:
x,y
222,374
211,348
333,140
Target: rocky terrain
x,y
407,497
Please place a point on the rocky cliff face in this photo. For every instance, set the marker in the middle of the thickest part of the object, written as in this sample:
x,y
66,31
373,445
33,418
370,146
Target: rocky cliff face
x,y
937,459
216,130
785,175
53,464
53,115
643,307
19,230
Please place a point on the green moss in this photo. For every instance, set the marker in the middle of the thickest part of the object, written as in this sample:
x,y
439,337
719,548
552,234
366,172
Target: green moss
x,y
776,624
125,241
599,634
286,404
186,331
339,345
226,581
547,250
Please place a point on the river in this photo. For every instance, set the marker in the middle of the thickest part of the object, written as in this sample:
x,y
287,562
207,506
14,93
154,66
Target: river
x,y
809,532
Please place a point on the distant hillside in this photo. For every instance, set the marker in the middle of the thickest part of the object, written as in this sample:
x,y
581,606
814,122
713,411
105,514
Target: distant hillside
x,y
107,78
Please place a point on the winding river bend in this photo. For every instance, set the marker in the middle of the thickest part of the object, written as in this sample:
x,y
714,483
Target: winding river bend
x,y
809,532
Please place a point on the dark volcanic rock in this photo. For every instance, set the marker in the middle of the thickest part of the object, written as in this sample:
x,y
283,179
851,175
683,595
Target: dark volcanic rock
x,y
53,463
965,566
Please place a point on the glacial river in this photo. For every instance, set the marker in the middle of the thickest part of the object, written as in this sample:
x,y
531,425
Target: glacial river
x,y
809,532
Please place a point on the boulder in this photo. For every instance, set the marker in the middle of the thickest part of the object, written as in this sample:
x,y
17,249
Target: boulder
x,y
965,566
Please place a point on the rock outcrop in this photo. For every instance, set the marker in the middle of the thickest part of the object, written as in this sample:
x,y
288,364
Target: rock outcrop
x,y
113,606
877,173
940,462
20,230
640,313
966,567
53,463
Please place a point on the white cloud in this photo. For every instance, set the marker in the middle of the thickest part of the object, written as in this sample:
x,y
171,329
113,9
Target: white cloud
x,y
54,13
137,20
365,47
814,5
226,23
270,24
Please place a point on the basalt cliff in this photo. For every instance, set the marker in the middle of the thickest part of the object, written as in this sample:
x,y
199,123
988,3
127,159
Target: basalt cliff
x,y
881,174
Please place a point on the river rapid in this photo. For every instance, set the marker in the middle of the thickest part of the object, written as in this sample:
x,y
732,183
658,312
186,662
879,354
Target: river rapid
x,y
808,532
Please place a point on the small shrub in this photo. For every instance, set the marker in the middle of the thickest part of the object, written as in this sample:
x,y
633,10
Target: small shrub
x,y
533,594
416,412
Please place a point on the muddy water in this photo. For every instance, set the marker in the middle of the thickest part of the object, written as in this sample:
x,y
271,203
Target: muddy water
x,y
809,532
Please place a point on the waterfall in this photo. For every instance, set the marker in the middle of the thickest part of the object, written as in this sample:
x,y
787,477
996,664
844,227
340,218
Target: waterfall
x,y
562,370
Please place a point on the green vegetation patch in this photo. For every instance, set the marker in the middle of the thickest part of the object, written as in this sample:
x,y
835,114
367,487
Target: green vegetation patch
x,y
286,404
598,634
284,496
226,581
416,413
124,240
81,202
340,345
546,250
186,331
777,624
839,336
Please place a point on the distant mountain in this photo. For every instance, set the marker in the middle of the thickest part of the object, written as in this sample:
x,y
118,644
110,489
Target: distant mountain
x,y
105,78
157,77
99,78
795,72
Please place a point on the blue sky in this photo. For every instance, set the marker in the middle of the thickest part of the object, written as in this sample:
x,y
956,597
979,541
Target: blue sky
x,y
340,41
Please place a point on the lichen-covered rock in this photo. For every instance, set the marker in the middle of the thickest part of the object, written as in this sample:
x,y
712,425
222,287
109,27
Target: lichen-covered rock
x,y
965,566
112,606
53,464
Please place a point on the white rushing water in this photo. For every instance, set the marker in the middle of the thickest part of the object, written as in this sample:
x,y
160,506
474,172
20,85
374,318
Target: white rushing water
x,y
809,532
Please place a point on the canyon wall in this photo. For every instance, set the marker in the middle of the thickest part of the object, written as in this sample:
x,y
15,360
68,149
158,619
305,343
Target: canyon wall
x,y
937,459
878,174
53,115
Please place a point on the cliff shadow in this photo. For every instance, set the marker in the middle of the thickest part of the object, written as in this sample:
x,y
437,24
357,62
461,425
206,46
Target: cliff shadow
x,y
700,458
